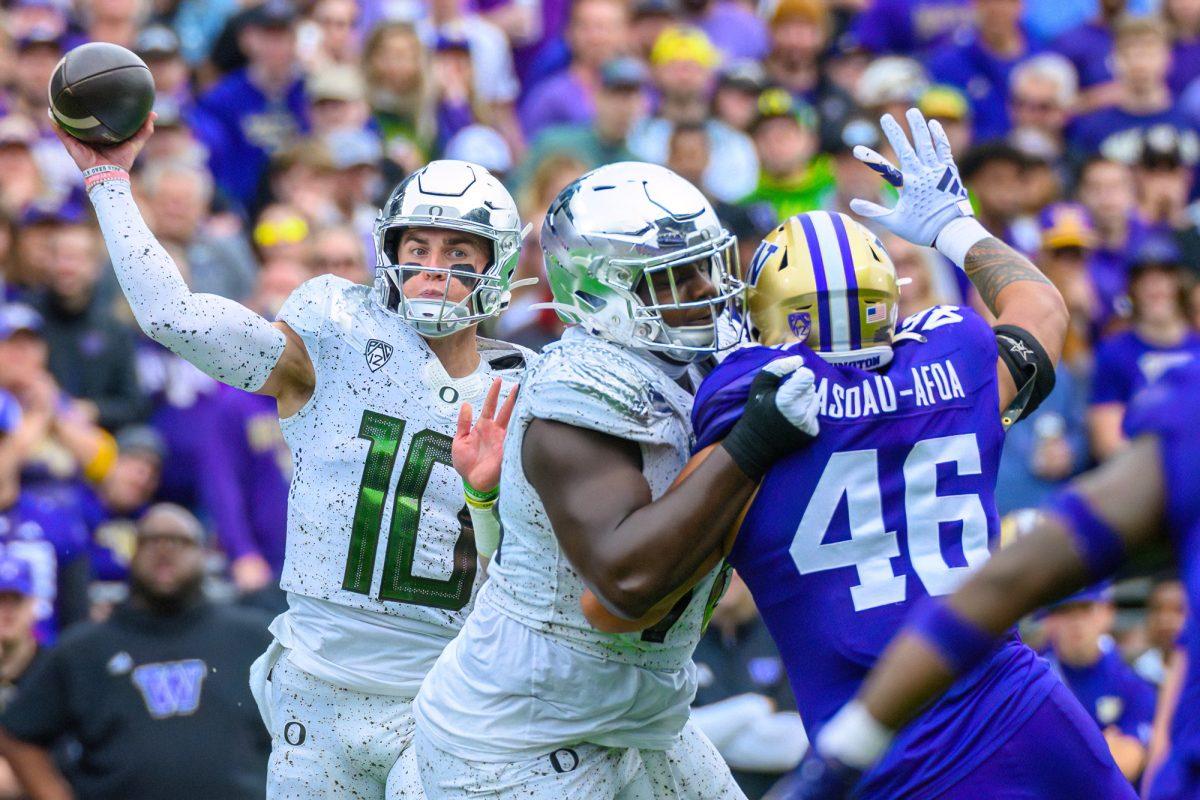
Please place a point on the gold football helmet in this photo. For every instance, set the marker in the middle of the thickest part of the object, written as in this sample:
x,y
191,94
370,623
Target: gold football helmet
x,y
823,279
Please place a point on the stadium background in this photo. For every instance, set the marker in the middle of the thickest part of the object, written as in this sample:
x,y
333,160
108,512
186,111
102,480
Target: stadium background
x,y
282,127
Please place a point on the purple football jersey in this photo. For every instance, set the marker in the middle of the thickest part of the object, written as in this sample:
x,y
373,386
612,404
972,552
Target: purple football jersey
x,y
892,502
1168,410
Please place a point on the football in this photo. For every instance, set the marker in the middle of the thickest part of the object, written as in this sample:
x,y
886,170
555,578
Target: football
x,y
101,93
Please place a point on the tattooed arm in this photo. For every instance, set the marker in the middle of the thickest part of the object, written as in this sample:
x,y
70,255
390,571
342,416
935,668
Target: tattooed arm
x,y
1018,294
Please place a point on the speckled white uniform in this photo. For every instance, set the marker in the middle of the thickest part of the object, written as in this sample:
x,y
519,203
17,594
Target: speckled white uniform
x,y
380,570
529,675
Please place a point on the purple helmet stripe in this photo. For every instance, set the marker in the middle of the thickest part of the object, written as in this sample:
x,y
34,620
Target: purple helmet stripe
x,y
843,240
814,249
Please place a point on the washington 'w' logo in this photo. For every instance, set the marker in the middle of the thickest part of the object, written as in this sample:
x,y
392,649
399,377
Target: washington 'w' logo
x,y
171,688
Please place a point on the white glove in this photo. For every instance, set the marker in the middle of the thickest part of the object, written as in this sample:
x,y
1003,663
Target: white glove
x,y
932,194
796,398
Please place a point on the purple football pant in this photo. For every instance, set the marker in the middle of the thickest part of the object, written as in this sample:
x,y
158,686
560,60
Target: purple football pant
x,y
1058,754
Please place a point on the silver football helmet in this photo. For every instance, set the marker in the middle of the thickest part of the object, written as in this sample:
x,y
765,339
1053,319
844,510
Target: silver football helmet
x,y
626,223
460,196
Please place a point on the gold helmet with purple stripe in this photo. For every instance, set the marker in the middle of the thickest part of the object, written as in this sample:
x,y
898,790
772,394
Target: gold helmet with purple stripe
x,y
823,279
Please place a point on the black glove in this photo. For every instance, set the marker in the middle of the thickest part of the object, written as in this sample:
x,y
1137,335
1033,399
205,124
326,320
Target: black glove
x,y
779,417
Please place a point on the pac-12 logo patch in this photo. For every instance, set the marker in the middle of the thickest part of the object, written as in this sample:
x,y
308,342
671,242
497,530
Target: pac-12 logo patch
x,y
378,353
801,323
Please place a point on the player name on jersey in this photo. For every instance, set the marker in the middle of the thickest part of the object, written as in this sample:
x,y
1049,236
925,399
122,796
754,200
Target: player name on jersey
x,y
932,383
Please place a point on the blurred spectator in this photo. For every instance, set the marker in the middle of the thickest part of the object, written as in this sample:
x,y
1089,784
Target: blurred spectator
x,y
851,178
157,695
357,181
649,19
980,61
282,230
197,22
113,505
159,47
457,99
173,139
91,353
336,250
735,101
684,64
928,280
1164,175
800,31
20,651
949,106
484,146
338,99
732,26
1067,246
1107,190
1082,651
596,34
994,174
744,703
1141,98
620,102
794,177
891,85
494,80
1183,20
401,92
1089,48
1160,337
302,176
63,444
1042,93
329,37
257,110
177,200
1166,612
23,182
910,26
115,21
47,534
37,53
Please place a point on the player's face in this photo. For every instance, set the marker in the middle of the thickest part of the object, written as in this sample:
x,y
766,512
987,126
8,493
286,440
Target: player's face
x,y
693,282
16,615
431,251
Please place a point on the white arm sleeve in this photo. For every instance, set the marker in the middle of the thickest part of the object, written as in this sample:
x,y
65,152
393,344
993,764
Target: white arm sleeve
x,y
224,339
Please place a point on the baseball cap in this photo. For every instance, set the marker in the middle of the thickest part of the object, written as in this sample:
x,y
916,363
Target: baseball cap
x,y
944,102
655,8
779,103
17,129
40,37
156,41
1066,225
338,82
353,148
891,79
40,212
858,131
744,74
168,520
141,440
684,43
1156,250
15,576
1099,593
1166,146
815,11
272,14
17,317
10,413
481,145
623,72
452,41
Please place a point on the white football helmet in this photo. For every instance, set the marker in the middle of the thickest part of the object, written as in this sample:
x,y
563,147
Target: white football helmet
x,y
460,196
624,223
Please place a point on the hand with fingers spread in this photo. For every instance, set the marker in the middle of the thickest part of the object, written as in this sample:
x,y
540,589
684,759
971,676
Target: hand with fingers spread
x,y
478,450
932,194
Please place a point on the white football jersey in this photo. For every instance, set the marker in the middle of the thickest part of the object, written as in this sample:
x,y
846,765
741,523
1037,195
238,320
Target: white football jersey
x,y
380,564
529,673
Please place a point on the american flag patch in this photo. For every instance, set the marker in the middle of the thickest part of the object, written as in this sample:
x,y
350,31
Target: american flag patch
x,y
876,312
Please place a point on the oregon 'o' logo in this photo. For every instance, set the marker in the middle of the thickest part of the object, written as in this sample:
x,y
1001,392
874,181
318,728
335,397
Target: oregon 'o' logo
x,y
448,394
294,733
564,759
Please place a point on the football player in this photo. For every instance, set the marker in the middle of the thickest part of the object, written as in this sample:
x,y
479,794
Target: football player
x,y
531,701
893,501
380,564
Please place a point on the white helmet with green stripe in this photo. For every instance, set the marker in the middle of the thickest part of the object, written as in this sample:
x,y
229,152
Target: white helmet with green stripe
x,y
627,224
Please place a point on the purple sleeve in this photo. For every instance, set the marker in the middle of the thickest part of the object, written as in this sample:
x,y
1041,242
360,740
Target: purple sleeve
x,y
222,462
1138,714
1110,379
721,397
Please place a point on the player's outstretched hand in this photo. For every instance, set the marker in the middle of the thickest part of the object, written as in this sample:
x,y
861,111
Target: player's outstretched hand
x,y
816,778
122,155
478,450
779,417
932,194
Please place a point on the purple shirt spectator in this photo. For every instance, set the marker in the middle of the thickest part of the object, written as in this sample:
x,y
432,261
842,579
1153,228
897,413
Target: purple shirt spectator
x,y
736,31
1185,65
1126,362
1090,49
249,468
910,26
983,78
1116,133
561,99
1108,268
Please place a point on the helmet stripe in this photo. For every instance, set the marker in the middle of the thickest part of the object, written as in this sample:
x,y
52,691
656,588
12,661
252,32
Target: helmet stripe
x,y
835,280
839,227
818,264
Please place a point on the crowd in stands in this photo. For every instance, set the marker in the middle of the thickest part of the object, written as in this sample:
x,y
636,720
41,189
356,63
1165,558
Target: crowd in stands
x,y
281,128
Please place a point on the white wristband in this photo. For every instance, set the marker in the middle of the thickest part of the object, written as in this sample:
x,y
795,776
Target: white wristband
x,y
854,737
957,238
487,530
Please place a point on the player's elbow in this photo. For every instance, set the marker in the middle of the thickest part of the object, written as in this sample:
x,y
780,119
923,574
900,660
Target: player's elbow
x,y
629,594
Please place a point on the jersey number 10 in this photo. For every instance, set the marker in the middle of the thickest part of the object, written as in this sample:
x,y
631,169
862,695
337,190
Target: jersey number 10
x,y
399,584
